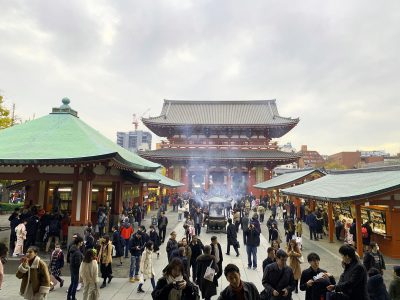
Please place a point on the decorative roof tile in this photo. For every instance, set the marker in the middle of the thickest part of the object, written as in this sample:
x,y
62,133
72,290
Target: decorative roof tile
x,y
62,138
256,112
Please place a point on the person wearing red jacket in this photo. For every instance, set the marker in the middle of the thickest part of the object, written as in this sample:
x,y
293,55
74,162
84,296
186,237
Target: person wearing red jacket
x,y
126,231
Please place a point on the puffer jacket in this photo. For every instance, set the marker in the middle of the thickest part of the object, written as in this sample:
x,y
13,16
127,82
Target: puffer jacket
x,y
146,264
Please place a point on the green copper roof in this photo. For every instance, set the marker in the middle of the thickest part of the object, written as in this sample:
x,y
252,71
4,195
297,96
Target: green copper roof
x,y
157,177
349,185
62,138
286,179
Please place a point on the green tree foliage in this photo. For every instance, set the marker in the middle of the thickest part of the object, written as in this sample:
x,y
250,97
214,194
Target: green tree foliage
x,y
5,119
332,165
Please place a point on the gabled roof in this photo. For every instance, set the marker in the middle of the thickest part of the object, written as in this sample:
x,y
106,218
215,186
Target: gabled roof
x,y
159,178
217,154
62,138
349,185
257,112
287,179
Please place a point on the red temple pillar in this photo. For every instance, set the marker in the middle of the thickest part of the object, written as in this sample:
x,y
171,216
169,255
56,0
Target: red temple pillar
x,y
229,181
358,232
206,180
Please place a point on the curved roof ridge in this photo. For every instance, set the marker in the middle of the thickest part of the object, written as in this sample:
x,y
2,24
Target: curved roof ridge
x,y
366,170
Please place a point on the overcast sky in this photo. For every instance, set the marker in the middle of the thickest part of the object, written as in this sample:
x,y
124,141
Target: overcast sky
x,y
334,64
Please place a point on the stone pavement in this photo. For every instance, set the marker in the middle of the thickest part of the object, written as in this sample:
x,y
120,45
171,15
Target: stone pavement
x,y
121,288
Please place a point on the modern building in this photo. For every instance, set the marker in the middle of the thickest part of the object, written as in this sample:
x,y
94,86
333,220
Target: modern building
x,y
294,165
220,147
310,158
134,141
350,160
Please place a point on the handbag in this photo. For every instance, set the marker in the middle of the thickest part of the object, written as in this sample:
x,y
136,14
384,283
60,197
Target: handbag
x,y
237,244
210,273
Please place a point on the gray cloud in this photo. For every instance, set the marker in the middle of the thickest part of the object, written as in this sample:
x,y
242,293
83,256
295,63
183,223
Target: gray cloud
x,y
334,64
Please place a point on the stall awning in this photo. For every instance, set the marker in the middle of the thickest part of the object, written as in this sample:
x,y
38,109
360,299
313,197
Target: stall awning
x,y
349,185
286,179
159,178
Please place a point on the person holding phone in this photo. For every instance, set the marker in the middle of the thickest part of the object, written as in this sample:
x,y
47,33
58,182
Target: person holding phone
x,y
35,276
278,279
174,284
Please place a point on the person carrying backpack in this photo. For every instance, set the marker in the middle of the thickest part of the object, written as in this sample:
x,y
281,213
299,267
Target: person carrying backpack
x,y
374,258
54,229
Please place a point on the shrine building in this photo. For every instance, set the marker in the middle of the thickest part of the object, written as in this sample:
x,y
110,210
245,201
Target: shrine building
x,y
61,151
219,146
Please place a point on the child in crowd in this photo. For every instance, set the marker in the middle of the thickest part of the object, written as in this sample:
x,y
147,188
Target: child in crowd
x,y
56,264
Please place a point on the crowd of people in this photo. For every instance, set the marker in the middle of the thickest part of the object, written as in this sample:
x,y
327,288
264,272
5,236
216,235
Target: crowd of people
x,y
194,266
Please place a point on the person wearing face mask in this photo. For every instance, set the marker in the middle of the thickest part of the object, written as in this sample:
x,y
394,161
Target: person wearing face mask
x,y
174,285
35,284
278,279
374,258
56,264
315,280
237,288
353,281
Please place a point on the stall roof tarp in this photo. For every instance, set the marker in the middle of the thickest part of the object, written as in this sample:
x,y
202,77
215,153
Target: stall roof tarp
x,y
285,179
348,185
159,178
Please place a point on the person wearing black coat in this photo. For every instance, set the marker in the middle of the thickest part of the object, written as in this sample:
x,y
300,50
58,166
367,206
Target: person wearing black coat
x,y
153,235
375,286
353,281
278,279
197,249
118,243
374,258
252,242
237,288
173,282
207,288
75,258
172,244
315,289
312,225
216,251
232,238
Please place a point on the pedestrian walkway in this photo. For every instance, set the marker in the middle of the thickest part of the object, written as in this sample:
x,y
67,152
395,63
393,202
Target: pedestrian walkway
x,y
121,288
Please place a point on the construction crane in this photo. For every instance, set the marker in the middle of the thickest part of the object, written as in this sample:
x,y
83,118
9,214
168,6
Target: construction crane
x,y
136,120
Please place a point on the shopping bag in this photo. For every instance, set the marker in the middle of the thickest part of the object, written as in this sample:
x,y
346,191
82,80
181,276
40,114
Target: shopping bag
x,y
141,278
210,272
114,251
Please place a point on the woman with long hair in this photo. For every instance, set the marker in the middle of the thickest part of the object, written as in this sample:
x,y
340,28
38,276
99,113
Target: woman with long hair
x,y
174,285
294,255
35,284
105,260
146,269
88,275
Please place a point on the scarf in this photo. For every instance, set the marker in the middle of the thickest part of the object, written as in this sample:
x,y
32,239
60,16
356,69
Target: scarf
x,y
174,294
239,291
